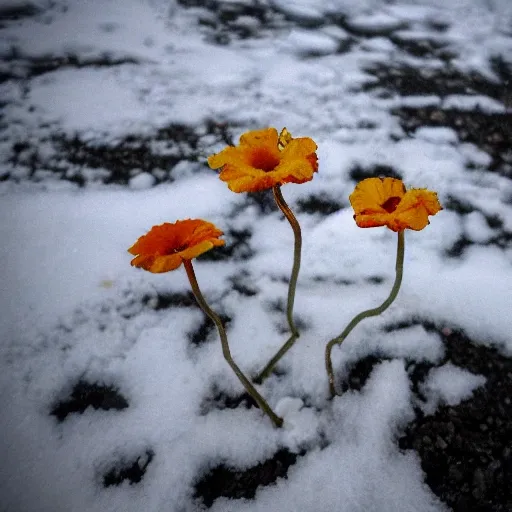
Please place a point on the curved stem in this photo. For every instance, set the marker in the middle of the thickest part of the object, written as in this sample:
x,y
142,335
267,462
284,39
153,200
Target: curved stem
x,y
297,247
225,345
365,314
271,364
283,206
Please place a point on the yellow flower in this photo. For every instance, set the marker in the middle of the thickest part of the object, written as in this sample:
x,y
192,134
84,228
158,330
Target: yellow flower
x,y
165,247
386,202
265,159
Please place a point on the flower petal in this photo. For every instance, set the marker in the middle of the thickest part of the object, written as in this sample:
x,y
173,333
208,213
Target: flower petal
x,y
372,220
299,148
267,137
415,208
258,163
157,264
165,246
294,171
371,193
385,202
227,155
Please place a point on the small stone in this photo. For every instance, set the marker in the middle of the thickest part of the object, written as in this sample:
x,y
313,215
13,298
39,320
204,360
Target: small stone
x,y
455,473
478,484
491,471
427,441
441,443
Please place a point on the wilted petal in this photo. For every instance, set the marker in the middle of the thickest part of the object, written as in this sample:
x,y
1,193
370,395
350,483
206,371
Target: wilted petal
x,y
263,159
385,202
165,246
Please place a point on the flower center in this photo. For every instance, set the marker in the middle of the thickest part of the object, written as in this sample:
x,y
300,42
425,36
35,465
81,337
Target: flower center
x,y
180,248
263,159
391,203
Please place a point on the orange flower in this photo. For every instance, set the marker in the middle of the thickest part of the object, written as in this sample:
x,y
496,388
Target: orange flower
x,y
265,159
165,247
386,202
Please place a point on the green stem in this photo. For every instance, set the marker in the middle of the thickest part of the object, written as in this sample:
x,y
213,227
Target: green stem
x,y
271,364
365,314
278,422
283,206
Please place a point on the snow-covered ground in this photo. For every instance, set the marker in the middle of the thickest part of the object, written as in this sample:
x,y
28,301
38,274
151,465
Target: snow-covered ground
x,y
74,312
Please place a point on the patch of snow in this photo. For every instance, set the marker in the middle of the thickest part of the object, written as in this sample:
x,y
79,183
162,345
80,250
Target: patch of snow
x,y
303,10
378,44
478,102
141,181
449,385
307,42
439,135
375,23
477,229
85,99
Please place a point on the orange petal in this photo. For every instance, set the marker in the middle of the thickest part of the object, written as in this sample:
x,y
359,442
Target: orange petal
x,y
371,193
165,246
257,163
411,212
372,220
415,208
198,249
267,137
299,148
227,155
249,184
298,170
157,264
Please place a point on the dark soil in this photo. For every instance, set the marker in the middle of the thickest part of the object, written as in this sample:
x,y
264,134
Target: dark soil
x,y
465,449
130,470
225,481
86,394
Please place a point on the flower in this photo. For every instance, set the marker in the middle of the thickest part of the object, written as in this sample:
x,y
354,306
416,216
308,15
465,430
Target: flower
x,y
386,202
165,246
265,159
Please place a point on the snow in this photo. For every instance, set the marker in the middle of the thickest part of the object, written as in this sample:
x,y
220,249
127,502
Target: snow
x,y
142,181
86,99
307,42
482,103
449,384
437,135
74,309
309,11
375,23
476,228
